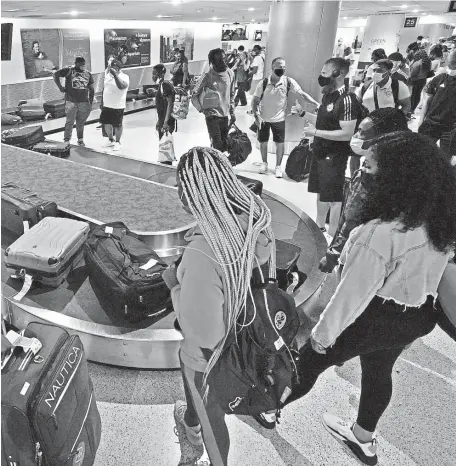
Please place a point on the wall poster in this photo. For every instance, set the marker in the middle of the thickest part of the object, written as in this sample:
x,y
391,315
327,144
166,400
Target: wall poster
x,y
234,32
181,38
130,46
45,50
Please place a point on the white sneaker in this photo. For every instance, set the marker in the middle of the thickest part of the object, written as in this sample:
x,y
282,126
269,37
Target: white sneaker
x,y
263,169
278,172
108,144
116,146
366,453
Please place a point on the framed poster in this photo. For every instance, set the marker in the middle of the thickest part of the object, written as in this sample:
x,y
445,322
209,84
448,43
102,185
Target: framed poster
x,y
234,32
258,36
46,50
130,46
410,22
178,38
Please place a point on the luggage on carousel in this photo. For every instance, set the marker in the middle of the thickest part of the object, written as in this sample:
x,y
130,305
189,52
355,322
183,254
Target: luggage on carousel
x,y
25,137
56,149
254,185
49,412
8,120
49,251
126,272
132,94
20,205
30,112
298,163
238,146
55,107
288,275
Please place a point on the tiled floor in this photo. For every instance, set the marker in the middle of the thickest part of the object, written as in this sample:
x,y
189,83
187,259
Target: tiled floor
x,y
136,406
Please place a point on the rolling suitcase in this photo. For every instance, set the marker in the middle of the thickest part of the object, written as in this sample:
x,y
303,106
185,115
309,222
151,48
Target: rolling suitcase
x,y
31,112
132,94
56,108
20,205
56,149
49,412
49,251
25,137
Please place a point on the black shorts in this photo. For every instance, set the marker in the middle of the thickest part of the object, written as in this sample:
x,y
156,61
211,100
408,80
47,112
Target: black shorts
x,y
278,132
112,116
327,176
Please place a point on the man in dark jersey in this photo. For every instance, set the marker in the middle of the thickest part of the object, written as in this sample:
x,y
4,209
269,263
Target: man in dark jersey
x,y
332,129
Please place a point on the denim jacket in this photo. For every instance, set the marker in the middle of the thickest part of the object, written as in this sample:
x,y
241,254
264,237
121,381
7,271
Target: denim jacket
x,y
379,260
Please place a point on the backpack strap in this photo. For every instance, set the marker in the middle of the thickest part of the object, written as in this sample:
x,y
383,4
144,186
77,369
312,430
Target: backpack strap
x,y
376,97
265,85
365,87
288,85
395,89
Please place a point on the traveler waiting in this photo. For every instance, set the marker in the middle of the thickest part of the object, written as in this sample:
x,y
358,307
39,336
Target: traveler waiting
x,y
420,66
242,77
379,122
180,68
164,101
213,95
269,105
384,91
113,103
438,116
400,70
209,288
256,68
332,129
391,267
79,93
377,54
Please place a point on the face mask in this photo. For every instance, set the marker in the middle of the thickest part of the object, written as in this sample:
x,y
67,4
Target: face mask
x,y
324,80
451,72
356,145
377,77
279,72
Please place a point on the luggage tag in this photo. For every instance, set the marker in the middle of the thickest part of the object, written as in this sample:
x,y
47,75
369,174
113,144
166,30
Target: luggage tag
x,y
31,346
148,265
28,281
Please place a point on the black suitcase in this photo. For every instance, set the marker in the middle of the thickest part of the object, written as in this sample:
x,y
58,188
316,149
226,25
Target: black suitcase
x,y
132,94
21,205
56,149
298,163
120,268
31,112
56,108
25,137
49,413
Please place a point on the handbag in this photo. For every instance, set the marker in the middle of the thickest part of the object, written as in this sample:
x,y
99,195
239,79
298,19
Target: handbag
x,y
166,148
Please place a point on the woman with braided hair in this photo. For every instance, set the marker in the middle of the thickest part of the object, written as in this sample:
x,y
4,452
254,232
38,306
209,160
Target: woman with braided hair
x,y
209,288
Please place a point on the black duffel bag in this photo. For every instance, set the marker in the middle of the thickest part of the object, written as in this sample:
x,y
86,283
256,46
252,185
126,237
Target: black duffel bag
x,y
238,145
127,272
298,163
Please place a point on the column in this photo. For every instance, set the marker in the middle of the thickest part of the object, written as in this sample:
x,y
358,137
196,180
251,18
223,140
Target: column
x,y
302,32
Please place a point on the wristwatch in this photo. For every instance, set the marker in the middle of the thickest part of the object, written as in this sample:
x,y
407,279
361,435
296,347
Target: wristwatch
x,y
302,113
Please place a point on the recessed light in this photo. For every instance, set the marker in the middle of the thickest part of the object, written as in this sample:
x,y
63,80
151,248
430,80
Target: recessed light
x,y
416,11
404,6
252,20
345,17
214,18
73,13
176,2
251,8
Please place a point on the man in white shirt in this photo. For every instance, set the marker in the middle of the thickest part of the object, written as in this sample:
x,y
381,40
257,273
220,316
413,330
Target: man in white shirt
x,y
113,103
269,106
383,91
256,68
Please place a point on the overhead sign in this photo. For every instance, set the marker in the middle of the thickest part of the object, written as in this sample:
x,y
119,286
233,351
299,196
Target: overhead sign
x,y
410,22
452,7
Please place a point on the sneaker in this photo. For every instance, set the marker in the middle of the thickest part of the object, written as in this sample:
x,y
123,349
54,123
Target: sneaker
x,y
278,172
266,420
116,146
190,453
81,143
366,453
263,169
108,144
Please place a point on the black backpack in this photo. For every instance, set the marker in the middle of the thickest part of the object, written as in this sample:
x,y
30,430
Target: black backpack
x,y
256,370
238,145
265,85
298,163
126,273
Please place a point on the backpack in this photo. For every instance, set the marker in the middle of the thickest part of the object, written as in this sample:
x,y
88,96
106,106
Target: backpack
x,y
256,369
209,97
394,88
298,163
238,145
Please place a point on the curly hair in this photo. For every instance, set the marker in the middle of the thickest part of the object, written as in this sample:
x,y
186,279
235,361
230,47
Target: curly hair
x,y
416,185
388,120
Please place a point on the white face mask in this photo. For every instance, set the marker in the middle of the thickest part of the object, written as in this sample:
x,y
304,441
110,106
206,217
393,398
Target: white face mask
x,y
356,145
377,77
451,72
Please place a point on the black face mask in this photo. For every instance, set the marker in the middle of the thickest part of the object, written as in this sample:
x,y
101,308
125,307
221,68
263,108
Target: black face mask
x,y
324,80
279,72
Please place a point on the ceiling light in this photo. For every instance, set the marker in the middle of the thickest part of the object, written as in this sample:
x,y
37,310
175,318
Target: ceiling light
x,y
345,17
251,8
404,6
416,11
12,10
73,13
214,18
252,20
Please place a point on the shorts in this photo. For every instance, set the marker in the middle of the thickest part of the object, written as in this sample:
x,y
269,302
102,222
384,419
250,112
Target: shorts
x,y
327,176
112,116
278,132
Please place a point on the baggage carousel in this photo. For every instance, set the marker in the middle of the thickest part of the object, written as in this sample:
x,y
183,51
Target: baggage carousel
x,y
99,188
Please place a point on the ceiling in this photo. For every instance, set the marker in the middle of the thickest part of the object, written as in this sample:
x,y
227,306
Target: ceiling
x,y
196,10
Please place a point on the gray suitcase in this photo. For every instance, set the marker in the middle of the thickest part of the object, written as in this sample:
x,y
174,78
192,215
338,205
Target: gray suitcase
x,y
49,251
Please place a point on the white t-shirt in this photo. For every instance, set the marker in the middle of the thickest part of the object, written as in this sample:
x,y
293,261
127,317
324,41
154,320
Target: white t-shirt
x,y
273,105
384,95
258,61
113,97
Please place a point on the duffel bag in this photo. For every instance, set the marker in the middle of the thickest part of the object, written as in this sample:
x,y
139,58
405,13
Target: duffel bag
x,y
25,137
56,108
126,272
298,163
56,149
238,145
9,120
49,412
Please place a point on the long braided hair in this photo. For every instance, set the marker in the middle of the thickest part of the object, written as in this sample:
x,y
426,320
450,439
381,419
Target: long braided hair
x,y
216,197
